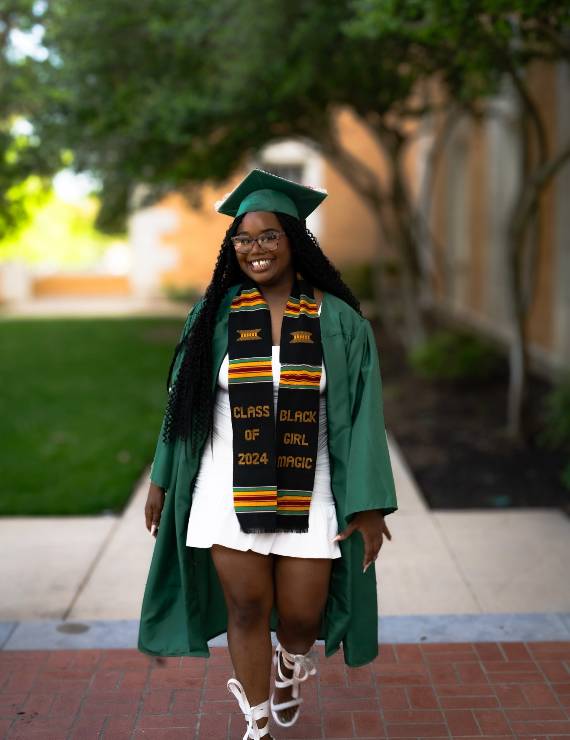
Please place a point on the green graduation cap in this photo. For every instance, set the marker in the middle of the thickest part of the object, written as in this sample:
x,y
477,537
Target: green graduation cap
x,y
262,191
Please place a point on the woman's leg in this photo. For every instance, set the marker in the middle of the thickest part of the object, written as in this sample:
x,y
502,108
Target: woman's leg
x,y
301,590
247,582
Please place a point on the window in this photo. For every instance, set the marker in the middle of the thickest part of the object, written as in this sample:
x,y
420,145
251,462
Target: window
x,y
289,171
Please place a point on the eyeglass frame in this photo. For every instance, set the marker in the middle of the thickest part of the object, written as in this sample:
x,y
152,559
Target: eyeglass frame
x,y
256,239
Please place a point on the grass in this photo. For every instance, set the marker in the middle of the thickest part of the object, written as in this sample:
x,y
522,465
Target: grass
x,y
82,403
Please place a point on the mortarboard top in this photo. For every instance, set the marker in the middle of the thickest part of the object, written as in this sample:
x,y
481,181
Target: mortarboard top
x,y
262,191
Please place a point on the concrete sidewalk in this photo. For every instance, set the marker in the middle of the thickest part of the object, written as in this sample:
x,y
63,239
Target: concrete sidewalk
x,y
95,306
447,575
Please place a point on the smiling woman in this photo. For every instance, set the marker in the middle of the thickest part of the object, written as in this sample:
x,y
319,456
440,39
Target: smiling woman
x,y
278,366
269,263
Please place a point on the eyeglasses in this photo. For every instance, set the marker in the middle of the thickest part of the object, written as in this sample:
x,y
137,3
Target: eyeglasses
x,y
267,241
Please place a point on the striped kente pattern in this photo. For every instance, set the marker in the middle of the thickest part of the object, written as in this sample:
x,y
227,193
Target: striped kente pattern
x,y
302,377
250,370
249,300
303,305
274,464
263,498
293,502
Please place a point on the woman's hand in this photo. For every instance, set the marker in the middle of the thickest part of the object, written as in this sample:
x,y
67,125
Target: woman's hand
x,y
153,508
372,527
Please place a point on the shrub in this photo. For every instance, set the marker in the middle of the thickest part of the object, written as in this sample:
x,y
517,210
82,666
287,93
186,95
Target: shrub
x,y
456,356
556,419
556,416
565,476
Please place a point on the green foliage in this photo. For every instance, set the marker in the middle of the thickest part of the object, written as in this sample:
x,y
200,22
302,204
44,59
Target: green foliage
x,y
470,45
22,154
60,233
556,416
82,404
556,420
21,200
456,356
171,94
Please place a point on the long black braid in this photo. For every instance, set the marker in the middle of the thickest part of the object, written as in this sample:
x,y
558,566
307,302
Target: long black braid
x,y
190,409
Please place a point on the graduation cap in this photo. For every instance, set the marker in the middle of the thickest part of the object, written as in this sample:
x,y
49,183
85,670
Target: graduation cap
x,y
262,191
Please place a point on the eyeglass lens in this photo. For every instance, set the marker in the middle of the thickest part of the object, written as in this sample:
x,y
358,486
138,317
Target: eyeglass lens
x,y
265,241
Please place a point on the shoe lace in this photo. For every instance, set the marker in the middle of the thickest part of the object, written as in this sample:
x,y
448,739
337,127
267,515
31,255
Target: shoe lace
x,y
251,714
302,665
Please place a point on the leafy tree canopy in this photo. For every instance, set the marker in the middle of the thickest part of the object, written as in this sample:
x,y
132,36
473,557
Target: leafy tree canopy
x,y
471,43
171,94
22,154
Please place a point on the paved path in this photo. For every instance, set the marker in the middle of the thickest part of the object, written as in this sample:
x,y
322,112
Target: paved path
x,y
84,306
487,690
465,598
480,562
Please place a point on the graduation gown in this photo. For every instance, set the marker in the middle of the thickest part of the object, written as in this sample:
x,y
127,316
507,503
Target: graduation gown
x,y
183,604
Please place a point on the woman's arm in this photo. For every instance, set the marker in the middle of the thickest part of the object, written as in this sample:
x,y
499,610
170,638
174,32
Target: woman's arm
x,y
373,528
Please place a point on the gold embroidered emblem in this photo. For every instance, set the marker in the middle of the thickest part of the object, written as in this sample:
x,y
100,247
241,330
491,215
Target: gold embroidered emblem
x,y
301,336
248,335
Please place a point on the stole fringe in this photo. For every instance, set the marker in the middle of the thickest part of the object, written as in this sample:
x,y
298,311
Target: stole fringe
x,y
257,530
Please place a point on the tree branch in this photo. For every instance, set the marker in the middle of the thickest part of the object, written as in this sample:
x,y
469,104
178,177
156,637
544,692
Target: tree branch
x,y
523,92
361,177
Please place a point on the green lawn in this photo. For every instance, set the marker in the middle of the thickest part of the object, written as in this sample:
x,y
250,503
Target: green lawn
x,y
80,412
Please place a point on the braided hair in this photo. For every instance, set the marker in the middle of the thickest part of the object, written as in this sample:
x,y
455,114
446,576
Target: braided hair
x,y
190,410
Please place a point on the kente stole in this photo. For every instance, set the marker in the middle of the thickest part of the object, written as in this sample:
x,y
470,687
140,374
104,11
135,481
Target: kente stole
x,y
274,454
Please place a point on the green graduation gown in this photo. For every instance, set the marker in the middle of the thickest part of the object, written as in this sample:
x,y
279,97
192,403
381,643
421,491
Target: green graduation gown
x,y
183,604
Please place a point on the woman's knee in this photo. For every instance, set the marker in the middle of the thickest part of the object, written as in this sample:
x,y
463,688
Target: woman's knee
x,y
248,613
304,625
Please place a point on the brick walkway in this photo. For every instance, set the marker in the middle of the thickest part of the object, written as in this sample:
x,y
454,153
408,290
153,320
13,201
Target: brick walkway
x,y
467,690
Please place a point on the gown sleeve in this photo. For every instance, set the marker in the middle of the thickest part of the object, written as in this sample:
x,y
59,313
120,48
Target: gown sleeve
x,y
370,476
161,467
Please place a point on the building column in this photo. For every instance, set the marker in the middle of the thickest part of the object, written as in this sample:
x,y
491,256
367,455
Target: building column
x,y
561,295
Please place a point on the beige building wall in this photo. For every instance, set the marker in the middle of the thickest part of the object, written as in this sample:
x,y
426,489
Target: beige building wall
x,y
477,219
196,238
176,244
438,223
350,230
61,285
561,262
474,190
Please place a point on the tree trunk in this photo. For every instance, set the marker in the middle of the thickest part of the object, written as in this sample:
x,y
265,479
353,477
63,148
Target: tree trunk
x,y
518,360
395,217
388,295
404,217
425,239
523,232
366,183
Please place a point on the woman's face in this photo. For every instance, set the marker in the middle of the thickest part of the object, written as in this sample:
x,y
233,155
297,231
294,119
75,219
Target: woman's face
x,y
266,268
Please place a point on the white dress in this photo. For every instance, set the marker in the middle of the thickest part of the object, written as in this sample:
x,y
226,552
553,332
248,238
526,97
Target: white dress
x,y
212,516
